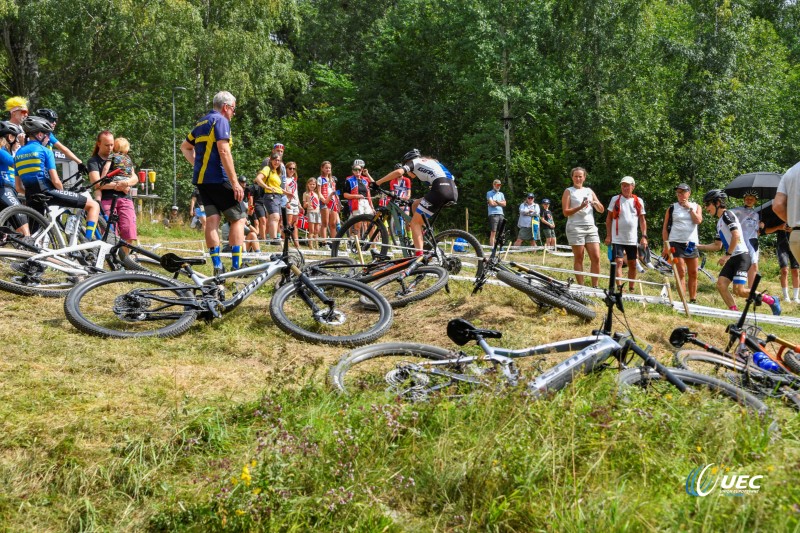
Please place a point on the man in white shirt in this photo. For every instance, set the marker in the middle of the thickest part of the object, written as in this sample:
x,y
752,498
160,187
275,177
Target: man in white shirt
x,y
626,214
787,205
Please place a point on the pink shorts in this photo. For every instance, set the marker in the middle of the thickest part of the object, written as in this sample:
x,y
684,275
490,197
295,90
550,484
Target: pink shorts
x,y
127,217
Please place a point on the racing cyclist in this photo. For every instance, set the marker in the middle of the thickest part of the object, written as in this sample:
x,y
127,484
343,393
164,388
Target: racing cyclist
x,y
736,260
35,167
442,189
9,133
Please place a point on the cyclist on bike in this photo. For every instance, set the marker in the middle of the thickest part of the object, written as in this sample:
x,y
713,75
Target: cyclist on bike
x,y
36,173
736,260
9,133
442,190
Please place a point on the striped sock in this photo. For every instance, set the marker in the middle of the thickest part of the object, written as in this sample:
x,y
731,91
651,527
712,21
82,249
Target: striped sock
x,y
236,257
90,227
214,253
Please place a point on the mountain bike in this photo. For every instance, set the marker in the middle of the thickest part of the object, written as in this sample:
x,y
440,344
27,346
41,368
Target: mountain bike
x,y
662,266
401,281
417,371
325,310
362,233
545,291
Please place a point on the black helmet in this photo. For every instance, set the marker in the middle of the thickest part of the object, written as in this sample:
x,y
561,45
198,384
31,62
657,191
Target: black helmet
x,y
36,124
713,195
49,114
411,154
9,128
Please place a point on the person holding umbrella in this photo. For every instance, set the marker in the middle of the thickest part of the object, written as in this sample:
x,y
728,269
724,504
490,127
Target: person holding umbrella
x,y
751,226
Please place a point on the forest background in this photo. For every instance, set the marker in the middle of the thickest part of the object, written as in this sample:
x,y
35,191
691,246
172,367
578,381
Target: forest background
x,y
663,90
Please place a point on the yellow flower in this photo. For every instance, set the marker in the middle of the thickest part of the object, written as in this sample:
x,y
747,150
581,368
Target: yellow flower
x,y
257,491
239,512
234,481
770,468
246,479
699,449
253,463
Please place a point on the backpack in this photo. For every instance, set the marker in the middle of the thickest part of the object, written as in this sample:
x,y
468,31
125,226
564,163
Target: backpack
x,y
637,204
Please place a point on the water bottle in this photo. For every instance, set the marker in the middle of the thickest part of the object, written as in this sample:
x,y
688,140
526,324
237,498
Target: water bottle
x,y
763,362
690,247
72,224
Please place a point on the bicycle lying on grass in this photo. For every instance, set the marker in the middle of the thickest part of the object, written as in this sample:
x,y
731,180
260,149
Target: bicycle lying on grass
x,y
545,291
415,371
662,266
363,233
737,362
138,304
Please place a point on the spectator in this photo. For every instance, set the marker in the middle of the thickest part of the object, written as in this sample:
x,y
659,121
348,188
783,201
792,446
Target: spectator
x,y
527,210
119,160
197,211
172,219
787,205
496,201
680,231
269,179
549,229
215,177
577,204
736,260
357,192
311,207
293,205
326,188
626,213
786,260
751,227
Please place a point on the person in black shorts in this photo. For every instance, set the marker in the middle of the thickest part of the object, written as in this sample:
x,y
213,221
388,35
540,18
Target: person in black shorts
x,y
786,261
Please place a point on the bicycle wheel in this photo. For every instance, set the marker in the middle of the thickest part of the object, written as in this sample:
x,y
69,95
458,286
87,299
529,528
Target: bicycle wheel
x,y
542,296
335,266
372,235
399,291
29,278
452,262
298,311
42,233
395,367
126,304
792,361
711,364
643,377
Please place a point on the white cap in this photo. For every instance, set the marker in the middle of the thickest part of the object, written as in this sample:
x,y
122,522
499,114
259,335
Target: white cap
x,y
628,179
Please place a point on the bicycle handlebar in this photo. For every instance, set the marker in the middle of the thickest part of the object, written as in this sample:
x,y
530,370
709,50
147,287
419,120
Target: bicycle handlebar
x,y
391,194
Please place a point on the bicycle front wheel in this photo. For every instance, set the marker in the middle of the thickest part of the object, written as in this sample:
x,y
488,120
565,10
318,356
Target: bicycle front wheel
x,y
20,275
297,310
366,232
398,368
545,297
401,291
130,304
43,234
452,262
649,377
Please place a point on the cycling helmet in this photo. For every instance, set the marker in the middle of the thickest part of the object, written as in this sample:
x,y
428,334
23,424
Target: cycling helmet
x,y
411,154
49,114
9,128
358,163
242,179
751,192
713,195
546,201
36,124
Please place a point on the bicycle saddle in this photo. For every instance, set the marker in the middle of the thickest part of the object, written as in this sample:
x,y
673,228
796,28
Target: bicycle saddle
x,y
461,332
681,336
173,263
377,256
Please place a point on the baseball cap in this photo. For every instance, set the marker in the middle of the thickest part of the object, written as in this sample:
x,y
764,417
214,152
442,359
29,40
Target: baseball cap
x,y
174,207
546,201
628,179
683,187
278,146
531,195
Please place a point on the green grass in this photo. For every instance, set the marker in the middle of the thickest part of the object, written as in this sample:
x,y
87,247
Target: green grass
x,y
151,434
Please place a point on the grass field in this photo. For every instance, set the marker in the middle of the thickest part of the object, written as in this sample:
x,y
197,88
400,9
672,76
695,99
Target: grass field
x,y
232,426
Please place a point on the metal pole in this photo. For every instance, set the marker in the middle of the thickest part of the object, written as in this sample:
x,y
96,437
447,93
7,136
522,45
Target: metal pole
x,y
174,150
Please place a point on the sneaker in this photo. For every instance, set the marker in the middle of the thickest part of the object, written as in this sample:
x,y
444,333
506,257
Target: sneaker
x,y
776,306
693,301
219,270
796,300
787,299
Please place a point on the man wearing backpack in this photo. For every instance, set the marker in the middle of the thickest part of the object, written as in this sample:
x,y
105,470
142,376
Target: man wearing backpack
x,y
626,213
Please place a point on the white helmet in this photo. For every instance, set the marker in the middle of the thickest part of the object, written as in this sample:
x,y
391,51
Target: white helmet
x,y
358,163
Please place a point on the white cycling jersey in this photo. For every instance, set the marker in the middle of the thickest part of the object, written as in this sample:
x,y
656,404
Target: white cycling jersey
x,y
726,225
427,170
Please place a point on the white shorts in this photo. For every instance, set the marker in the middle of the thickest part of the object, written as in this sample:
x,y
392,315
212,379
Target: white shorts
x,y
583,234
313,217
292,209
364,207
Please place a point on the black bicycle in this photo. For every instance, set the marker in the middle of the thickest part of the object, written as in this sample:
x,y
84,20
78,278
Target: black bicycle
x,y
385,230
327,310
545,291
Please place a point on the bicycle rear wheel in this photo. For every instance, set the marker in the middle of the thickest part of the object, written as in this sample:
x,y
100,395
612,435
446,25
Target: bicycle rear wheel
x,y
42,233
452,262
398,368
648,377
542,296
792,361
401,291
130,304
712,364
28,278
298,311
372,235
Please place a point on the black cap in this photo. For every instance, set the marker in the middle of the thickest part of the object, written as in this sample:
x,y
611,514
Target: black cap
x,y
683,187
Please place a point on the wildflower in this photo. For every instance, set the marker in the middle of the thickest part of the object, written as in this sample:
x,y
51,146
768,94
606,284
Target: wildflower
x,y
239,512
257,491
246,479
699,449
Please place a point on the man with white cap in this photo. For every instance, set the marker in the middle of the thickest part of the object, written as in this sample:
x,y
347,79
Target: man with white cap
x,y
626,214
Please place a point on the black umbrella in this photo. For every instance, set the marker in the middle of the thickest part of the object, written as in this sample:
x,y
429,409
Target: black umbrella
x,y
764,183
768,216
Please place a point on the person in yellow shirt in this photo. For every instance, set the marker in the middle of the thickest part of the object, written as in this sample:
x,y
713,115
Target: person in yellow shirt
x,y
269,179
